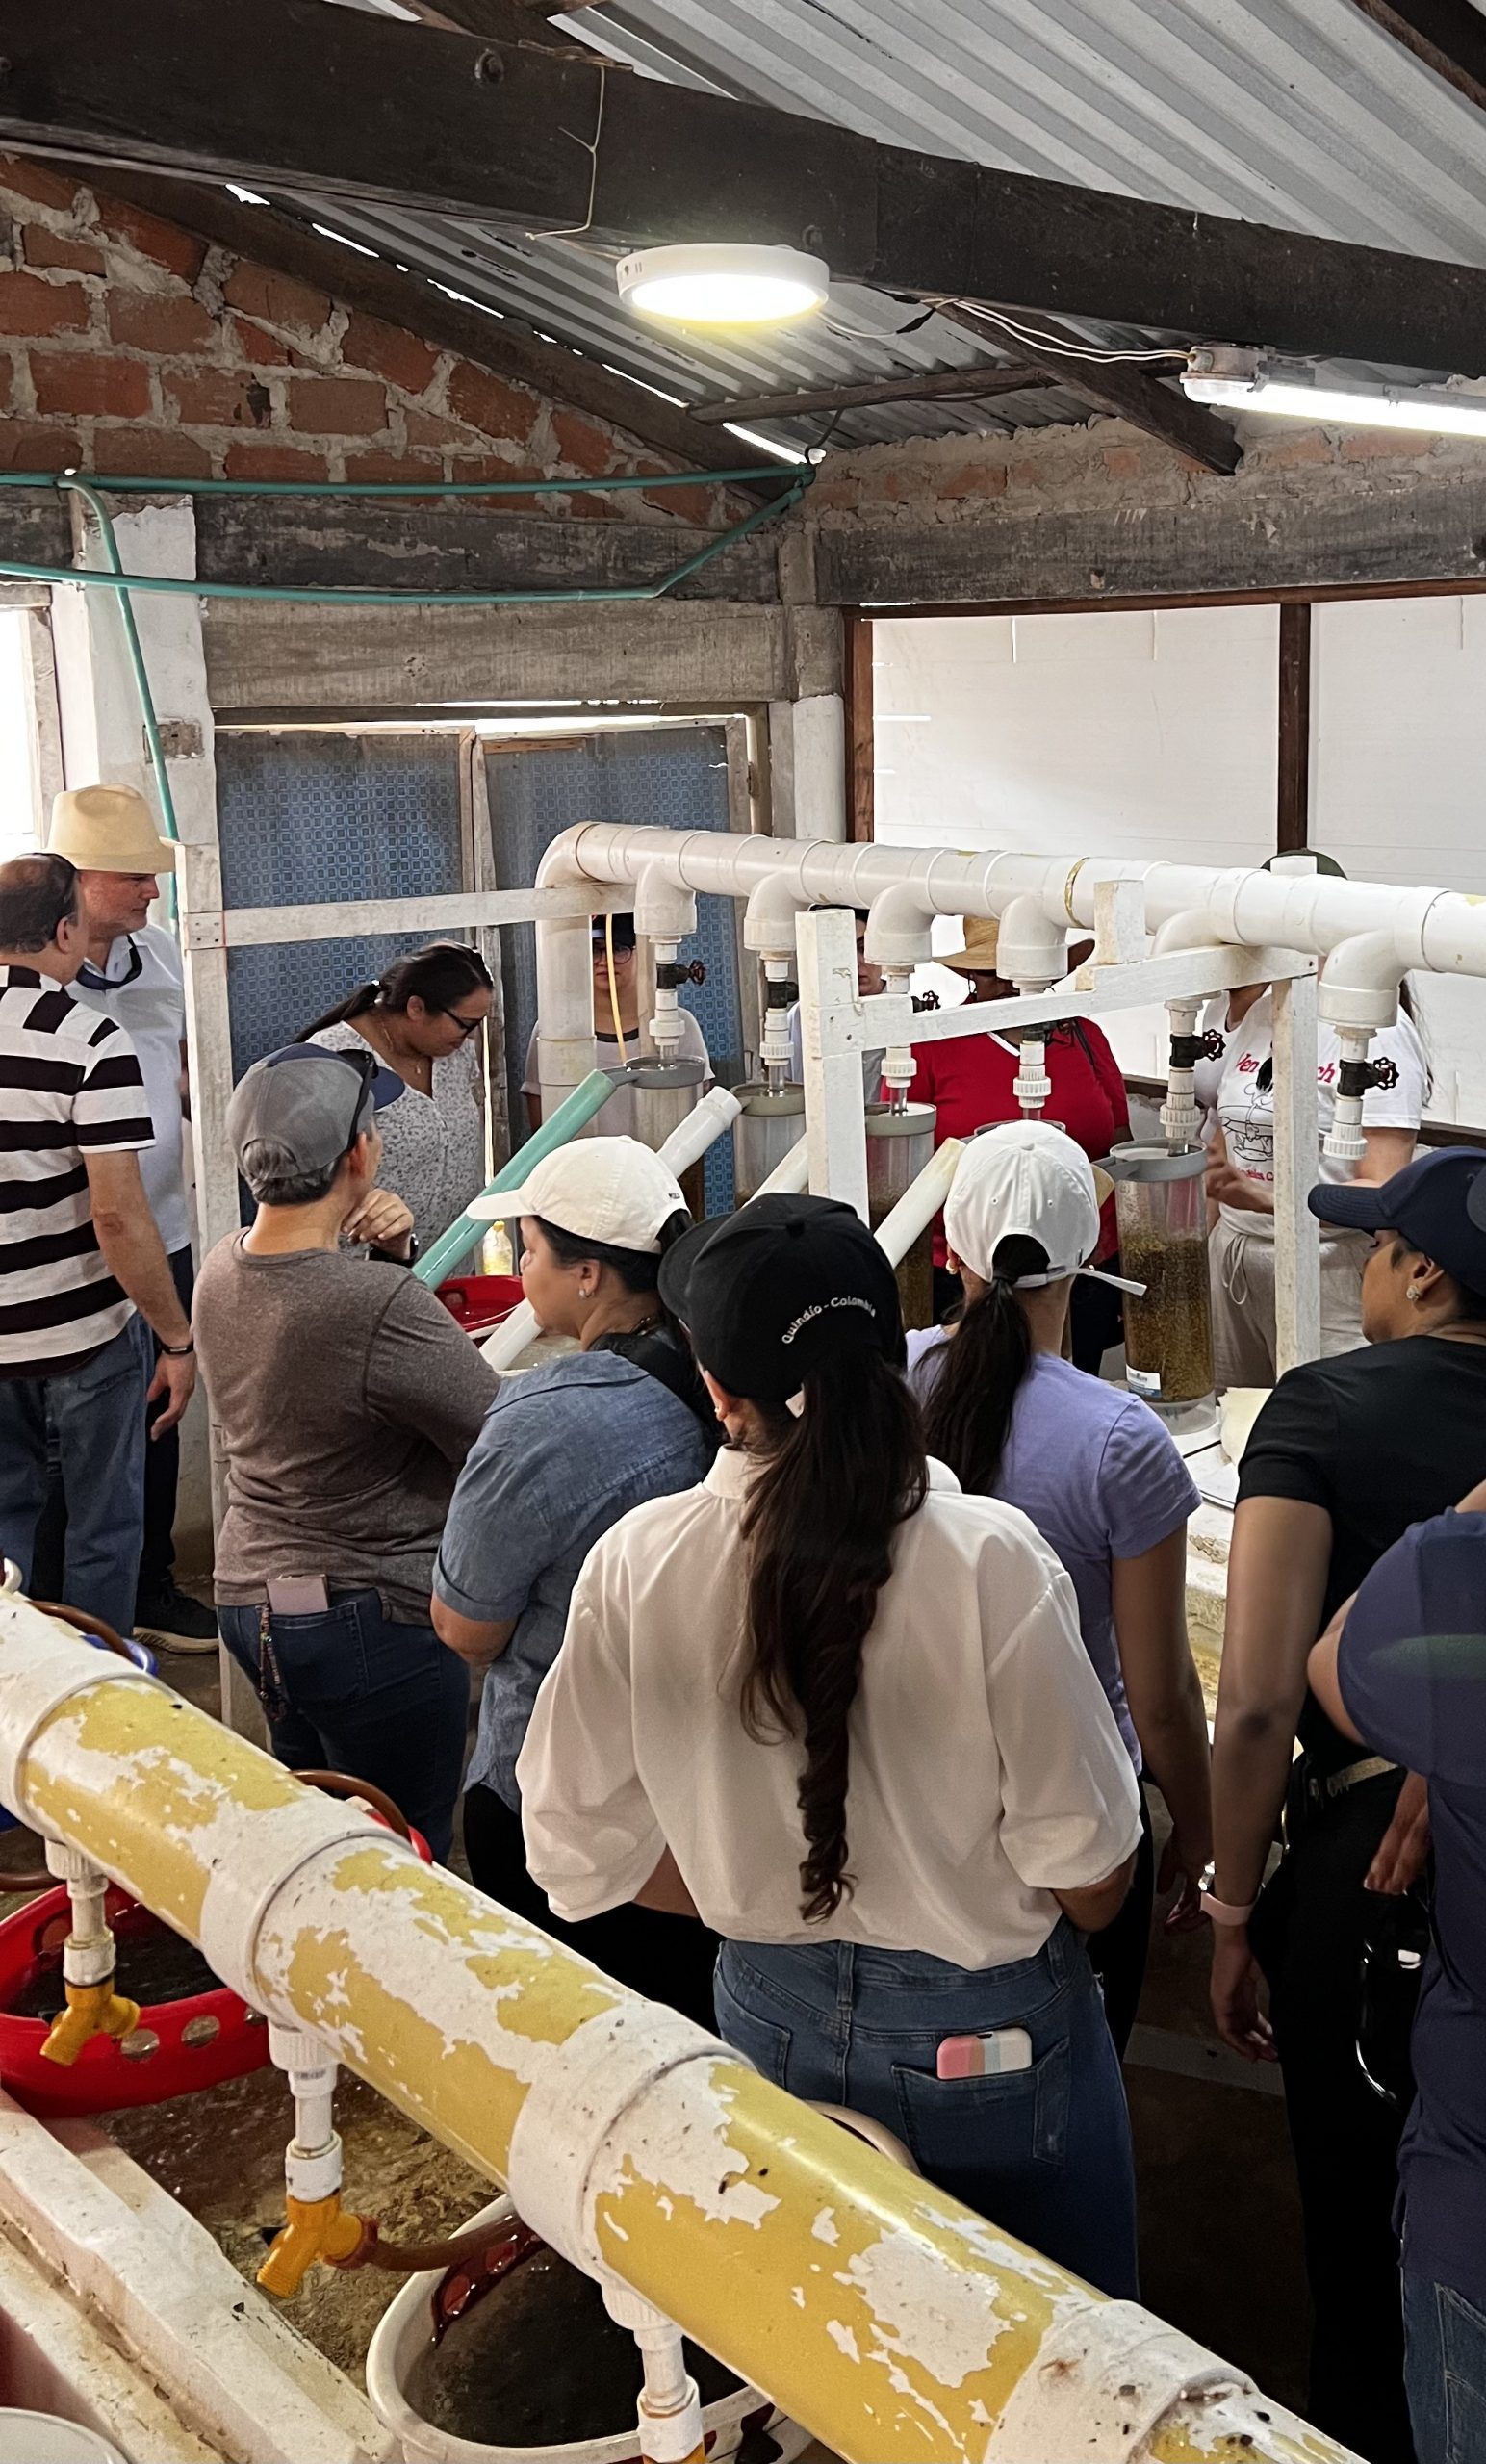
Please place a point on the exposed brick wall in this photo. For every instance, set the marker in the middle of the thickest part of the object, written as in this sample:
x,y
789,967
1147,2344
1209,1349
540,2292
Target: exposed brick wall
x,y
1104,465
129,346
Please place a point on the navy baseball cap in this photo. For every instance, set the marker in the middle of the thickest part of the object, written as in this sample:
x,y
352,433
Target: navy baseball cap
x,y
1437,1202
765,1293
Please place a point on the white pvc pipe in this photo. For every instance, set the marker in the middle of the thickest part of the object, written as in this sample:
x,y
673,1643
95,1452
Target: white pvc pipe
x,y
703,1124
511,1337
920,1202
700,1129
1436,930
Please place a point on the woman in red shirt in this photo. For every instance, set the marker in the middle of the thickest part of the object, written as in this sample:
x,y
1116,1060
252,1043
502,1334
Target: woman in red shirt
x,y
969,1080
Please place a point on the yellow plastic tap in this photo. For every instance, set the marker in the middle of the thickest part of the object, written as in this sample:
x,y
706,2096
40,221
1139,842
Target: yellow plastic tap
x,y
92,2011
316,2228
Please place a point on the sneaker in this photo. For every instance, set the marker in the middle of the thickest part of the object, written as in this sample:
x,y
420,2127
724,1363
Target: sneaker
x,y
169,1619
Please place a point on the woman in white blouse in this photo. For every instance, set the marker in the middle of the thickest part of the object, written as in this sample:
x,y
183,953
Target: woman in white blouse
x,y
423,1016
844,1713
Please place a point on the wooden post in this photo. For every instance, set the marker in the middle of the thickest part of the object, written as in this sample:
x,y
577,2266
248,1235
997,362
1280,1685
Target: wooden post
x,y
1294,786
861,736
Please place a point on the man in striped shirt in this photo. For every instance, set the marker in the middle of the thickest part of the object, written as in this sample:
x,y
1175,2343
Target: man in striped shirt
x,y
79,1253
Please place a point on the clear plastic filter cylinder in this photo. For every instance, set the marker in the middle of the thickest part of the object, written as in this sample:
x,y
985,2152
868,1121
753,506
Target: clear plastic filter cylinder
x,y
771,1122
1161,1209
900,1142
665,1093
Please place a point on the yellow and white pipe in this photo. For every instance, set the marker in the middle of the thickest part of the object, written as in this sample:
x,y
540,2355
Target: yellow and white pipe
x,y
889,2320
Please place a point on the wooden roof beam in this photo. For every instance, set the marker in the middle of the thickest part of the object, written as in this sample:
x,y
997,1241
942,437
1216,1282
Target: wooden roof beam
x,y
912,385
295,96
1124,391
1449,36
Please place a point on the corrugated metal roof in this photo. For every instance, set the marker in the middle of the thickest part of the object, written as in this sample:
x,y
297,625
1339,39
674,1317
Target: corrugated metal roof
x,y
1299,112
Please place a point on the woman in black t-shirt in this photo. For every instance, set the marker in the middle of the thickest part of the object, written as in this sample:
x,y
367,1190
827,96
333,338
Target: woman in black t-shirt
x,y
1345,1456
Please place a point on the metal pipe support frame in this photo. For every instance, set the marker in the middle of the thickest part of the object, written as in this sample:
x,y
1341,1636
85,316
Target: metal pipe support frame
x,y
887,2319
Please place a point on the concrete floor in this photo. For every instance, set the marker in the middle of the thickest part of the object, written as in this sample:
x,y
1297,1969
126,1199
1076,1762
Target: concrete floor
x,y
1220,2246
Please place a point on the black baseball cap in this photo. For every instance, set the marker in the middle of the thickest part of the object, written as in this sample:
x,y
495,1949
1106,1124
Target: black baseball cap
x,y
1437,1202
624,931
767,1293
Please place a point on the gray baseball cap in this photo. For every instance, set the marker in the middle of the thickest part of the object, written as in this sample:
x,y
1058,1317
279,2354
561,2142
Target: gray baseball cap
x,y
308,1103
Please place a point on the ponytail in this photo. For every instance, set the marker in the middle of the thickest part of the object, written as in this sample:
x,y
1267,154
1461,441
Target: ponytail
x,y
439,975
364,997
819,1524
967,1417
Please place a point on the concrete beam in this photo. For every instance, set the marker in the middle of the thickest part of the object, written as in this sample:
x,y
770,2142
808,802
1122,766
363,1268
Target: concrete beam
x,y
291,658
426,543
1428,530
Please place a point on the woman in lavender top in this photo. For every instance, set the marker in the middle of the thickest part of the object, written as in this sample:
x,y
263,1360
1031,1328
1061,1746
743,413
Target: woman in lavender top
x,y
1093,1468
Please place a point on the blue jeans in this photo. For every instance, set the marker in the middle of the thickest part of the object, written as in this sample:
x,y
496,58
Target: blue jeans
x,y
96,1415
1044,2153
351,1690
1444,2371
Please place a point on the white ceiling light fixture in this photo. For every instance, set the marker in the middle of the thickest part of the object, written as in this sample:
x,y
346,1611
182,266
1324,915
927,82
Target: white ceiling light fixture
x,y
1232,379
723,283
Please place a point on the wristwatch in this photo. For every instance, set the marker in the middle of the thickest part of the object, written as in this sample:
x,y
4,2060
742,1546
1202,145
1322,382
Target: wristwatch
x,y
407,1257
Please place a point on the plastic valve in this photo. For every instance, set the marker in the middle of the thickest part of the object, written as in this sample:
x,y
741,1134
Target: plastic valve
x,y
317,2228
92,2011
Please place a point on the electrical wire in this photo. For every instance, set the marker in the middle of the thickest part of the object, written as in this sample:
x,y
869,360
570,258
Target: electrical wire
x,y
590,146
1056,345
618,1029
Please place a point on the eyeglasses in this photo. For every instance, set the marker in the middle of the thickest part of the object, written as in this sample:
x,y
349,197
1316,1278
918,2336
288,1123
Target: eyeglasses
x,y
467,1026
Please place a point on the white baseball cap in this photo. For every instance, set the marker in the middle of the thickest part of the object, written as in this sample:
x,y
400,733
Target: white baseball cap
x,y
609,1189
1025,1177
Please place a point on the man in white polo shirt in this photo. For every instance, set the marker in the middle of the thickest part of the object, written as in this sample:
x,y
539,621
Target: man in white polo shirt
x,y
79,1253
132,974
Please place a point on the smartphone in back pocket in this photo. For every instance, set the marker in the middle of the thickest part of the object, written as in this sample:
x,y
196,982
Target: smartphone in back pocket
x,y
984,2057
298,1596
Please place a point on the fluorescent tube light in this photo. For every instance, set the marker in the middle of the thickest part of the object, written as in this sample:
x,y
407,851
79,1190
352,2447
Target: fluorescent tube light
x,y
1237,380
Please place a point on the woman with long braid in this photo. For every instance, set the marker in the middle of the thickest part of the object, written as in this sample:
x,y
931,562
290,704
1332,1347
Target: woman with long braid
x,y
843,1713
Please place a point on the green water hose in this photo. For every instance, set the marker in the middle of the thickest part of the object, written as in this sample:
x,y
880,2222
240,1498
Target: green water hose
x,y
574,1113
114,578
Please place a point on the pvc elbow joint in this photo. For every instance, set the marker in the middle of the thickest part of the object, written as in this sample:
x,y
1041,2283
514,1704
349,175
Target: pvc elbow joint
x,y
899,928
1359,986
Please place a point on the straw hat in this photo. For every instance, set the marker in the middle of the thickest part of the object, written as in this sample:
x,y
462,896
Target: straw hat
x,y
979,955
108,830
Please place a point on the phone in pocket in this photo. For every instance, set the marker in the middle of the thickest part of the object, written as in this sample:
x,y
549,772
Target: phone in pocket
x,y
984,2057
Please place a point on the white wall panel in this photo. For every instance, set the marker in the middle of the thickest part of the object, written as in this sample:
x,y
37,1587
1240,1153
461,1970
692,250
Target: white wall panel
x,y
1398,785
1147,736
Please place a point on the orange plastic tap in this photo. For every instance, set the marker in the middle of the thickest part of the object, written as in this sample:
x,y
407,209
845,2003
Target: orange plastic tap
x,y
316,2229
92,2011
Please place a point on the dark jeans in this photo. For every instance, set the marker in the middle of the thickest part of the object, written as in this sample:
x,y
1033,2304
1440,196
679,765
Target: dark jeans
x,y
359,1693
667,1959
1118,1955
93,1419
1307,1933
1446,2366
1044,2153
162,1478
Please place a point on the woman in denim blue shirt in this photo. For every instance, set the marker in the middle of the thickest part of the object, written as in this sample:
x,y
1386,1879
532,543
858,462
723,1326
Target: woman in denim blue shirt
x,y
564,1452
